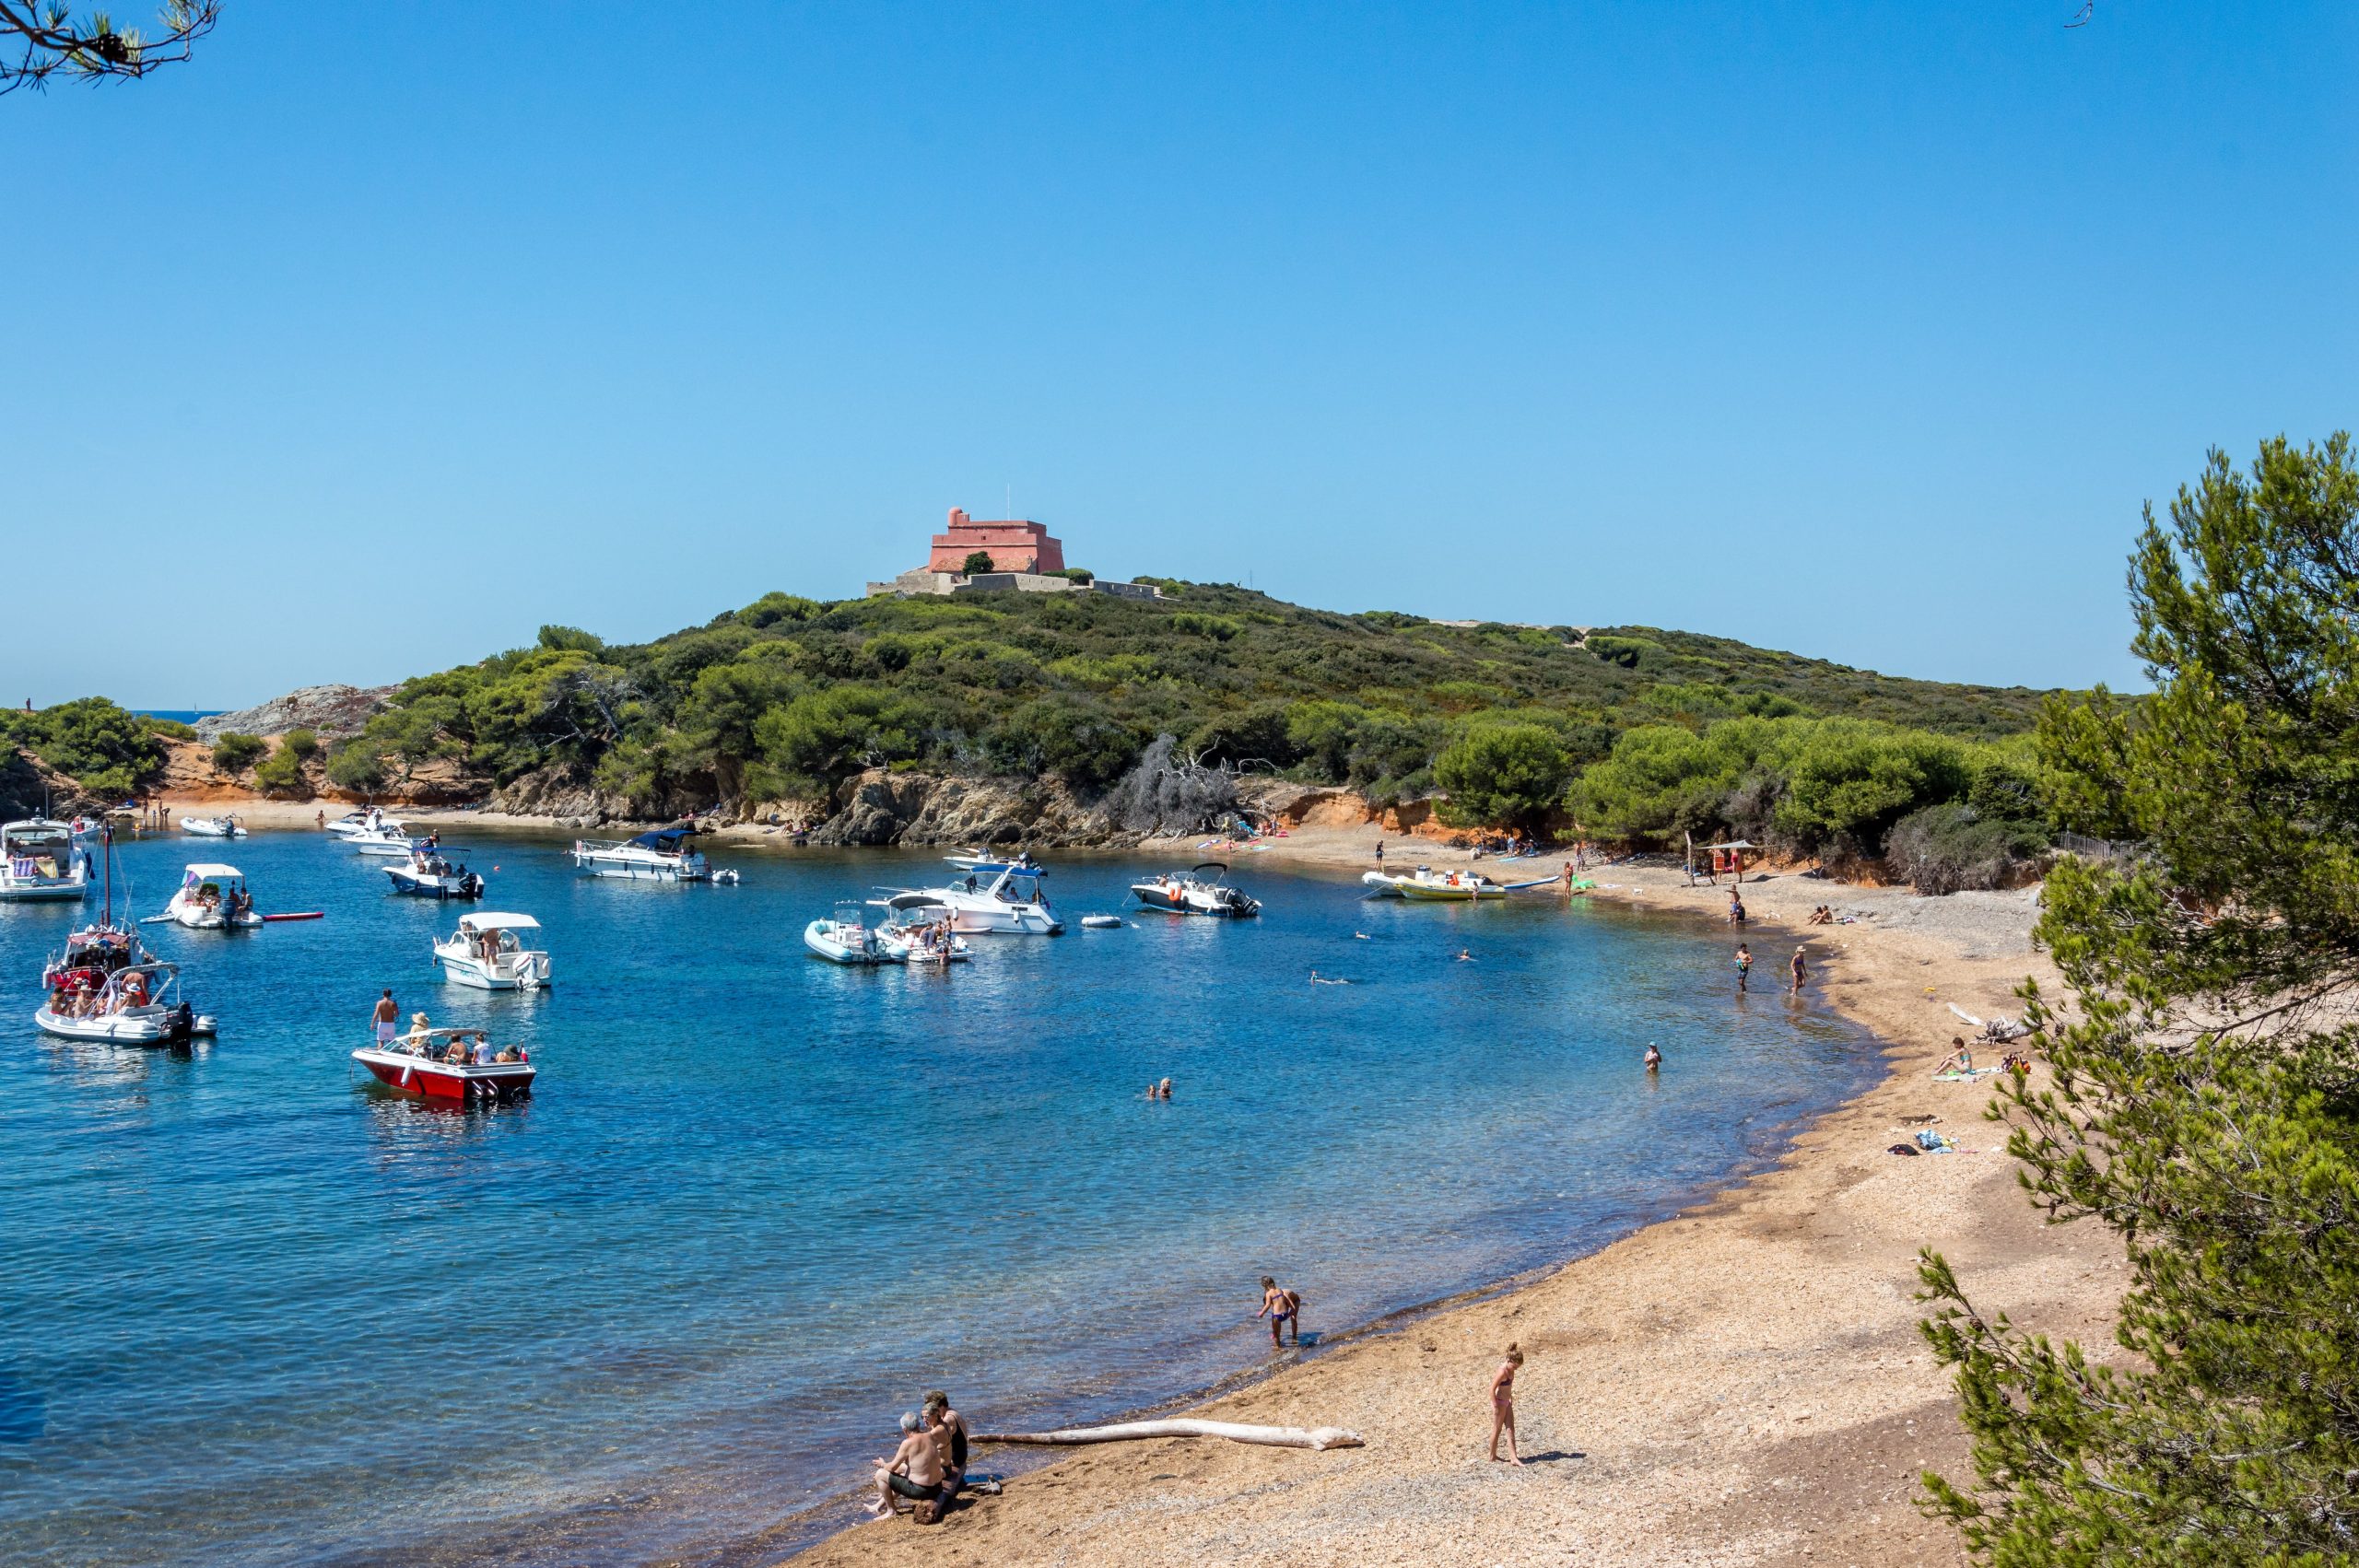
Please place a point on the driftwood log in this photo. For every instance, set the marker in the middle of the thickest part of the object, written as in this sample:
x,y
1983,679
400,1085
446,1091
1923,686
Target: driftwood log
x,y
1129,1431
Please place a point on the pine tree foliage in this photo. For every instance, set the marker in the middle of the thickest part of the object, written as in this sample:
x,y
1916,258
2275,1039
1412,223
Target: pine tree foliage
x,y
2205,1102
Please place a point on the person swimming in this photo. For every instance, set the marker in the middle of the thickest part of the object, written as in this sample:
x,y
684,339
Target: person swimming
x,y
1654,1057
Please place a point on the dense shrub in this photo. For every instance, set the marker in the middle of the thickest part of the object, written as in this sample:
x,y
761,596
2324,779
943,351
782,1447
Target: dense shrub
x,y
233,752
302,742
1503,773
104,748
1952,847
975,561
357,765
170,729
281,773
1849,782
1259,734
959,682
823,737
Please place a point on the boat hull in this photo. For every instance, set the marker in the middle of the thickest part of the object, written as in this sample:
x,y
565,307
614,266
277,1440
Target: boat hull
x,y
415,887
524,975
820,941
135,1026
41,892
1157,897
455,1084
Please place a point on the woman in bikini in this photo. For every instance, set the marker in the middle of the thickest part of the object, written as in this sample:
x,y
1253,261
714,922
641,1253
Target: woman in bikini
x,y
1503,1404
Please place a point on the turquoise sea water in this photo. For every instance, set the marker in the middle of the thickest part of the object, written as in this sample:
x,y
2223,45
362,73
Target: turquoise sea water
x,y
260,1310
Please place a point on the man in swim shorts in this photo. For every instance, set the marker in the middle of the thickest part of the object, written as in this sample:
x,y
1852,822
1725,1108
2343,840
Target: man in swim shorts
x,y
914,1471
1743,965
386,1016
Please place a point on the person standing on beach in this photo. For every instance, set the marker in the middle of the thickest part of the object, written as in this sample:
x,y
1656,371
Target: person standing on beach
x,y
1503,1404
386,1016
1743,966
1800,973
1280,1307
1380,854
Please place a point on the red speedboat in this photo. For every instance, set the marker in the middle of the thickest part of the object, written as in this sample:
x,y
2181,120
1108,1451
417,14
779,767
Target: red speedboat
x,y
458,1065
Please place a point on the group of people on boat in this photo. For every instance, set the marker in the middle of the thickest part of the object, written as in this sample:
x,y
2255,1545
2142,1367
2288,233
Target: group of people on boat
x,y
460,1049
235,903
82,993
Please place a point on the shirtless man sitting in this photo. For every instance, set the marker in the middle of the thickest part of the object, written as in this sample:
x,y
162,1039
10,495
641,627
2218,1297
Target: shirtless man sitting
x,y
914,1471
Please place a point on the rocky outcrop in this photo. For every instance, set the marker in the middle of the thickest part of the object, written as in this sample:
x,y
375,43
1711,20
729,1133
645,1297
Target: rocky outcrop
x,y
883,807
332,711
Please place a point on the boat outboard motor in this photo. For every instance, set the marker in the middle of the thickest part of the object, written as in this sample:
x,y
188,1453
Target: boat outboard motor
x,y
181,1022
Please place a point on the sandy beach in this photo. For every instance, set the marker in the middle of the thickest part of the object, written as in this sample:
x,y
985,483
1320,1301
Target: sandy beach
x,y
1742,1383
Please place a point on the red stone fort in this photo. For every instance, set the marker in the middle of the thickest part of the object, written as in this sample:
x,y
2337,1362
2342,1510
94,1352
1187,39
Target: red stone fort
x,y
1013,546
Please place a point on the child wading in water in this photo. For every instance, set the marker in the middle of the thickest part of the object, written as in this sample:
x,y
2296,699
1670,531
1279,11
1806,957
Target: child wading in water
x,y
1743,964
1281,1307
1503,1404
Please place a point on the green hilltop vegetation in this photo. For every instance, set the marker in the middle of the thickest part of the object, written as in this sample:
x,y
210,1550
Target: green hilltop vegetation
x,y
1637,733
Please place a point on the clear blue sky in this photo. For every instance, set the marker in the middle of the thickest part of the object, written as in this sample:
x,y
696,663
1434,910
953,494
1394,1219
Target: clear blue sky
x,y
376,336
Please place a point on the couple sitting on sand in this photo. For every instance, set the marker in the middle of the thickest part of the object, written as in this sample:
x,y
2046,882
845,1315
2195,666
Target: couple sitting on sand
x,y
930,1465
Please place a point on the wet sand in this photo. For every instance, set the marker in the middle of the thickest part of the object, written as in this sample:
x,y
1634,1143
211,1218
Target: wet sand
x,y
1741,1383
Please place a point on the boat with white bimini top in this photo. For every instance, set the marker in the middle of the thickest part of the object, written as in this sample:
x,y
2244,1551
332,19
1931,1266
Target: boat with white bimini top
x,y
458,1065
212,897
38,860
1196,894
493,952
846,936
432,875
1013,903
214,826
137,1004
1430,886
917,925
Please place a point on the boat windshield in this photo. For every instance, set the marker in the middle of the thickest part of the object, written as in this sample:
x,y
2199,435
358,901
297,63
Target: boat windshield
x,y
457,1046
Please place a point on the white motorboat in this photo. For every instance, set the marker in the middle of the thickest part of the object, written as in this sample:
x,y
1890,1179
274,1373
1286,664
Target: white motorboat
x,y
1197,894
659,856
386,840
431,875
1011,903
212,897
985,864
917,925
136,1005
368,821
846,938
214,826
38,860
1432,887
493,952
